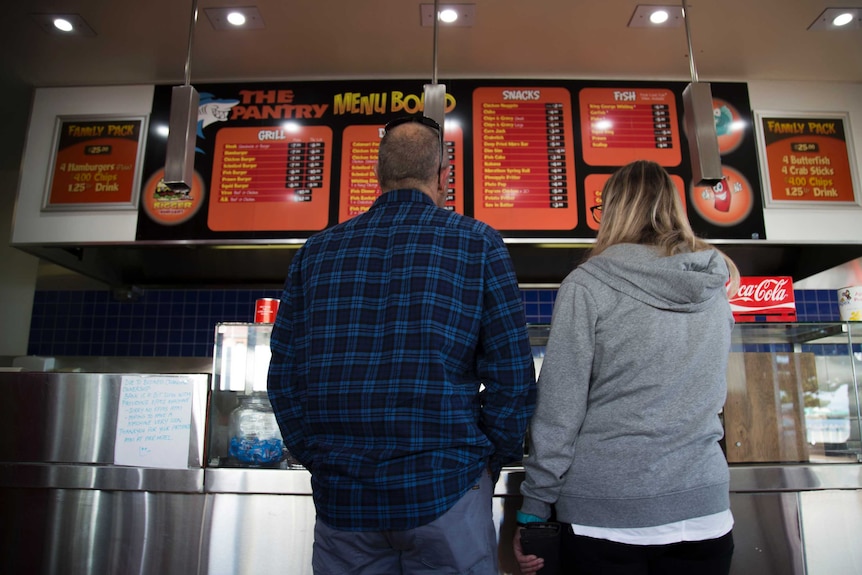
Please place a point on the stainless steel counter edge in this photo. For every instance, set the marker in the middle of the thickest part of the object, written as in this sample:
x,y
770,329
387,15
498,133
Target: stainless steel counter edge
x,y
104,478
769,478
754,478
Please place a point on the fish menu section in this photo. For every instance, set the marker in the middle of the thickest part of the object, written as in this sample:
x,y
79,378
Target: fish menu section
x,y
620,125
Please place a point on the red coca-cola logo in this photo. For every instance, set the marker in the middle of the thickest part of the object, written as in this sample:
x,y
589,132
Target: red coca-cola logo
x,y
767,290
771,297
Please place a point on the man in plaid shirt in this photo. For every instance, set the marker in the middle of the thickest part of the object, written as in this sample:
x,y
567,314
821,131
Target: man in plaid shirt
x,y
402,375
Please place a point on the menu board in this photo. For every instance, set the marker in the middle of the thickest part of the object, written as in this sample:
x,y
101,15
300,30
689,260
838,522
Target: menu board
x,y
271,178
95,164
621,125
806,159
524,165
281,161
359,188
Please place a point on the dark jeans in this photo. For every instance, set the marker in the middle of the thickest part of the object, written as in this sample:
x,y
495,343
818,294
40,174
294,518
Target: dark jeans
x,y
588,556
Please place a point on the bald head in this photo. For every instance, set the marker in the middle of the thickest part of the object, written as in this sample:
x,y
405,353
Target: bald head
x,y
409,157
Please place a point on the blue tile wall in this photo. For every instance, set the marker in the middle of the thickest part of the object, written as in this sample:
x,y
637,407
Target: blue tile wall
x,y
181,323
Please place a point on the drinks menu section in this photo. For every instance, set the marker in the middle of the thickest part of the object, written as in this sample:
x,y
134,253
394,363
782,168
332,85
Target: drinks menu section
x,y
620,125
807,160
359,188
524,168
271,178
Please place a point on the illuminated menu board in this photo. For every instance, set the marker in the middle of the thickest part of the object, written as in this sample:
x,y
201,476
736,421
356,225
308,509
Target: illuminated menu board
x,y
285,160
359,188
621,125
524,168
271,179
806,159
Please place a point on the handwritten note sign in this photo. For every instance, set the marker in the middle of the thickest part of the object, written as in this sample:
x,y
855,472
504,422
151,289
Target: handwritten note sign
x,y
154,422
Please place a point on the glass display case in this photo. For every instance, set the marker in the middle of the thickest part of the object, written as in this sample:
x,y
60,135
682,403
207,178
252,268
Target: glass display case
x,y
793,393
243,430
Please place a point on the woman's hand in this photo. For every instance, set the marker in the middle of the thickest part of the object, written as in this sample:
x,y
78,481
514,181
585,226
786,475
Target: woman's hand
x,y
529,563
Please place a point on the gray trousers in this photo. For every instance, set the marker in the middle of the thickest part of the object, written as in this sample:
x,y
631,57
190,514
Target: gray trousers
x,y
463,540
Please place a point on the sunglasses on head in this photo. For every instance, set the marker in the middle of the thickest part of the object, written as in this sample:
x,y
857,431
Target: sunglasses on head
x,y
425,121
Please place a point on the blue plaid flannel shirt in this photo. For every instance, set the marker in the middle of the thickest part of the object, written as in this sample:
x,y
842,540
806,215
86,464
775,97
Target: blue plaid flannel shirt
x,y
387,326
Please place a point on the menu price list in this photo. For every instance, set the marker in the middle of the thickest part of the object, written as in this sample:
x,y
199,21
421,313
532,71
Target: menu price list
x,y
808,160
95,163
359,188
524,159
267,179
621,125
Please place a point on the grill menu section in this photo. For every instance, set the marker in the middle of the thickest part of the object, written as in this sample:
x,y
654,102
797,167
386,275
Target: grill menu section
x,y
280,161
270,178
524,164
620,125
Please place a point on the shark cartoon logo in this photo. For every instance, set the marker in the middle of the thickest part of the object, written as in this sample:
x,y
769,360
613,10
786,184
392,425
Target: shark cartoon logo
x,y
212,110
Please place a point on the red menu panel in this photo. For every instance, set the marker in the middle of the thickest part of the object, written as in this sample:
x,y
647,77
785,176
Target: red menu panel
x,y
524,168
359,187
621,125
807,160
595,183
95,163
274,178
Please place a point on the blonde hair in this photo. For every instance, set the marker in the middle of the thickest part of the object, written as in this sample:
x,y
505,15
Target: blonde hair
x,y
641,205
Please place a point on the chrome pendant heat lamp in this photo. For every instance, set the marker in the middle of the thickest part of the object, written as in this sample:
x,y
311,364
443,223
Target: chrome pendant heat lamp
x,y
700,123
182,137
435,94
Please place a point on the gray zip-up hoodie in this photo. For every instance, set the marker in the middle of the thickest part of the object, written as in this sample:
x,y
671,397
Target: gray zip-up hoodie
x,y
626,429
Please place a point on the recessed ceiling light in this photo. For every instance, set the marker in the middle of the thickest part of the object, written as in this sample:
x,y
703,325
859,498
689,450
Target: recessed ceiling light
x,y
235,18
63,24
838,19
450,14
843,19
659,17
648,16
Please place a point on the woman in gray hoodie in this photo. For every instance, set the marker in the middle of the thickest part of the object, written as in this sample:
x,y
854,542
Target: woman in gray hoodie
x,y
624,443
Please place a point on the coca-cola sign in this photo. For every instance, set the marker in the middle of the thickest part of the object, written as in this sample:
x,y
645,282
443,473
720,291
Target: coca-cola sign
x,y
768,297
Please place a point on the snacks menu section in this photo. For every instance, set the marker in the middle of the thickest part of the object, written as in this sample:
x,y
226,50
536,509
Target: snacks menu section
x,y
359,188
524,168
271,179
807,160
620,125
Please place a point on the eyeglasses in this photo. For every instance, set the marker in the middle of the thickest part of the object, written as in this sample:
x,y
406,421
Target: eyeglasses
x,y
596,212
